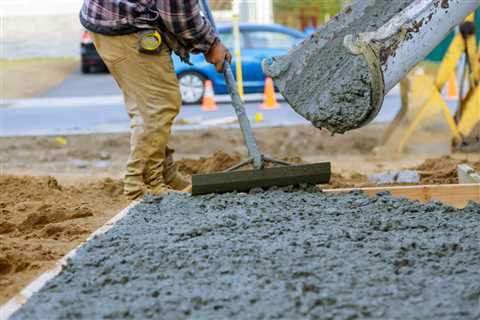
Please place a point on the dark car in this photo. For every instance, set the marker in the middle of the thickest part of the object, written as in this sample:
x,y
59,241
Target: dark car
x,y
90,60
257,43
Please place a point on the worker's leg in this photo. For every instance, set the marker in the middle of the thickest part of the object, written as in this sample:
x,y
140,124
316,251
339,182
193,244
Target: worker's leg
x,y
113,52
172,177
164,100
133,180
149,81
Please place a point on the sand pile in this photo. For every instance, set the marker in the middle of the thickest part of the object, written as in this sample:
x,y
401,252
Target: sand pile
x,y
218,162
442,170
40,221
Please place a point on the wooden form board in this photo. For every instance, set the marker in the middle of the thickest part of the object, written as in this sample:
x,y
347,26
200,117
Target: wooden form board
x,y
458,195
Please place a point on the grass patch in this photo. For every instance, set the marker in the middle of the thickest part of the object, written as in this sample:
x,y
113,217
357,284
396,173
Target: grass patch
x,y
26,78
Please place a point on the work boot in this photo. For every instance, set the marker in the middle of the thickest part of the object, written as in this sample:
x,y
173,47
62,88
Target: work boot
x,y
133,187
159,190
179,182
172,177
134,195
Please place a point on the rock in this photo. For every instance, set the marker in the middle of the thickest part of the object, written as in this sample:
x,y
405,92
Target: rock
x,y
408,176
391,177
104,155
102,164
383,178
80,164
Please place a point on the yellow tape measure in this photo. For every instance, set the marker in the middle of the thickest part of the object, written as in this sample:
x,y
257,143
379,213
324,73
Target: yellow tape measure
x,y
149,40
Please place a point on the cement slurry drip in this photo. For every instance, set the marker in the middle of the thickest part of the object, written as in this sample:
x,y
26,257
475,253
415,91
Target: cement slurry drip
x,y
282,254
322,80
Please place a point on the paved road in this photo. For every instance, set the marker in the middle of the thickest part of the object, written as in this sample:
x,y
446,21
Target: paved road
x,y
85,85
93,104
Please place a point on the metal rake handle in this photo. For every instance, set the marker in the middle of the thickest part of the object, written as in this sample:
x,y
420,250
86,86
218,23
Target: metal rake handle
x,y
247,132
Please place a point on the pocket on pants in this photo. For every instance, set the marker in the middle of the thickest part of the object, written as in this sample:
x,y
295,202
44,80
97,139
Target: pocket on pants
x,y
163,58
110,48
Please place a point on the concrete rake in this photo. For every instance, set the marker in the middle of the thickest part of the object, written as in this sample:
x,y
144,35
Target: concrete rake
x,y
261,176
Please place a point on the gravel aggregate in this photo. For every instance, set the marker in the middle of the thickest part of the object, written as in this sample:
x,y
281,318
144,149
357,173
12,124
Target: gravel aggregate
x,y
282,254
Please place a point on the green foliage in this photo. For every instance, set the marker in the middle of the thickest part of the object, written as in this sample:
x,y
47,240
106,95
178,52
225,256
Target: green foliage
x,y
221,4
290,12
326,6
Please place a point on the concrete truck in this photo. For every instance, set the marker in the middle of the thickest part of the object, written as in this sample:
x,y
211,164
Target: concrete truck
x,y
337,78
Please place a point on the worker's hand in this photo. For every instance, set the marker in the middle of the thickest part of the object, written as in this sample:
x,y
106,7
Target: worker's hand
x,y
217,55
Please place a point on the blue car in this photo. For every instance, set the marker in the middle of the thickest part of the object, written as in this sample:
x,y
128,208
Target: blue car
x,y
257,43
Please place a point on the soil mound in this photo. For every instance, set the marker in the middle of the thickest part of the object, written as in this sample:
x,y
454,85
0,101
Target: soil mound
x,y
41,220
219,161
442,170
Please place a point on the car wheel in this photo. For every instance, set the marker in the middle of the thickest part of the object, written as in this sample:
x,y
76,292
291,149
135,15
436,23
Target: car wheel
x,y
192,87
85,69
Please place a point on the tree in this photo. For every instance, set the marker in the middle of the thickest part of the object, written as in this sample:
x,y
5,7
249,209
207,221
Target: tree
x,y
221,4
300,14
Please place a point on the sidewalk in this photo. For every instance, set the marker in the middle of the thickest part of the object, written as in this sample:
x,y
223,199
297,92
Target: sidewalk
x,y
106,114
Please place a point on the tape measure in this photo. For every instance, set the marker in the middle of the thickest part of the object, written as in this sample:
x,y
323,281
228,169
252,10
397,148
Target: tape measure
x,y
149,40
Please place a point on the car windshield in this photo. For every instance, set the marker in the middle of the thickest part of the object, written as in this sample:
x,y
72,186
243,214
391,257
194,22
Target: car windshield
x,y
227,39
271,40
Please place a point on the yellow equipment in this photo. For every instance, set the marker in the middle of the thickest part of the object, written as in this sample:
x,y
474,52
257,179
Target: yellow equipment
x,y
465,124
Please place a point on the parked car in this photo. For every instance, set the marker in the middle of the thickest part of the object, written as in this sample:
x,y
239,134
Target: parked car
x,y
257,43
90,60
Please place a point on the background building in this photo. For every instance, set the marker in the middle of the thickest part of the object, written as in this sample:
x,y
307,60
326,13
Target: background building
x,y
53,29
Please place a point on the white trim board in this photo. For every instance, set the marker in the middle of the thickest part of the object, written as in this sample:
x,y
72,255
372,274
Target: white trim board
x,y
14,304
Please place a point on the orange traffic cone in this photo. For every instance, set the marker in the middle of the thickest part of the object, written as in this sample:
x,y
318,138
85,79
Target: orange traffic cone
x,y
208,103
452,93
269,99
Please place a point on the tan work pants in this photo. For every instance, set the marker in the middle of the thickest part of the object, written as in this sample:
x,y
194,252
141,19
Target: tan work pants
x,y
152,98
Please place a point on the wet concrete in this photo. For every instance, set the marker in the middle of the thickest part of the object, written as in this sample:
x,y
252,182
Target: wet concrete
x,y
322,80
283,254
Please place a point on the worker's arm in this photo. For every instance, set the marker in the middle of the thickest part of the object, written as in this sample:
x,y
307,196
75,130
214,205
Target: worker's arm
x,y
217,55
183,18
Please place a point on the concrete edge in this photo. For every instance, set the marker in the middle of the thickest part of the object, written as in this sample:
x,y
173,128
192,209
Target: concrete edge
x,y
15,303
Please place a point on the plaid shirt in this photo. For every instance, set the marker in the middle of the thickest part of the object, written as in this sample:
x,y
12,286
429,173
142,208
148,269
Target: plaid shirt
x,y
181,23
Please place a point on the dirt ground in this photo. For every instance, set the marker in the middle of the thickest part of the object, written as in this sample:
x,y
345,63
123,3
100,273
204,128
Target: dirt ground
x,y
31,77
56,190
86,158
41,220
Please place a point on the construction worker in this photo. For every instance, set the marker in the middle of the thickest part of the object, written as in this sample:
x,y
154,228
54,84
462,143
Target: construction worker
x,y
135,39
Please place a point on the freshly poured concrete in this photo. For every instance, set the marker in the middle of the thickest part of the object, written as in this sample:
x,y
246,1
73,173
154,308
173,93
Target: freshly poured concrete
x,y
322,80
283,254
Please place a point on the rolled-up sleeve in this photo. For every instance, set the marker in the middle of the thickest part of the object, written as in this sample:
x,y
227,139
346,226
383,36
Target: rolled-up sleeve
x,y
185,21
